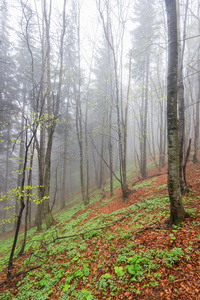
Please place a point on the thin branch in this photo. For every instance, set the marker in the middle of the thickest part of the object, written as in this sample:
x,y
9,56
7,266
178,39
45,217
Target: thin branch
x,y
18,274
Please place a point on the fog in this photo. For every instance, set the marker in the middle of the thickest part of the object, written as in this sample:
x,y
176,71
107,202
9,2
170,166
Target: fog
x,y
83,97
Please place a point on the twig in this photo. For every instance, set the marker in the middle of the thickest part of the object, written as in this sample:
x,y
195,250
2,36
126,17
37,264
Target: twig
x,y
18,274
195,249
83,233
141,179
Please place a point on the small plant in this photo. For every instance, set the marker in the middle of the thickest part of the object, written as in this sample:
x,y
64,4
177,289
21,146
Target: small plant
x,y
153,282
110,237
134,268
7,295
82,247
162,187
171,278
119,271
90,234
128,235
173,238
122,258
72,253
85,295
66,287
104,281
172,256
191,212
157,275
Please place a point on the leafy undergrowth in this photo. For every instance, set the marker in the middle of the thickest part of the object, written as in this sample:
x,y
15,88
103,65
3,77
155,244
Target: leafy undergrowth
x,y
133,256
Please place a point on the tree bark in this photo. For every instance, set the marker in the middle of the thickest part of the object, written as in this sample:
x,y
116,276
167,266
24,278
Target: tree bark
x,y
177,212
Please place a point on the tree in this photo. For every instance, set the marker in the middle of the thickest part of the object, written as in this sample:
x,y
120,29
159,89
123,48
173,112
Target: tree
x,y
142,45
177,211
113,42
196,121
22,192
103,107
8,109
181,100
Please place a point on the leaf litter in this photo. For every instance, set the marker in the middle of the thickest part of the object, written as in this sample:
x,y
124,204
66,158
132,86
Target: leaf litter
x,y
136,258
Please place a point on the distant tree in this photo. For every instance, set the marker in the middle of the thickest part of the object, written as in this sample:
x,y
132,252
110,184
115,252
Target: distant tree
x,y
115,41
8,109
181,98
196,121
143,36
103,107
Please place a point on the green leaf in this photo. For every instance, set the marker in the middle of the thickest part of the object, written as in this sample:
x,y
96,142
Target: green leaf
x,y
106,276
119,271
86,271
78,273
66,287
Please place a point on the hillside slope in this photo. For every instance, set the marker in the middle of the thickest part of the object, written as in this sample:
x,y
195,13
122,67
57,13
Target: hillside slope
x,y
113,249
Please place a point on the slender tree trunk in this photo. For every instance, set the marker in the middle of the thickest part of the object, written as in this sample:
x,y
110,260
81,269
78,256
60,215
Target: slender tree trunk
x,y
125,131
28,201
196,125
6,182
40,145
95,170
118,104
181,100
60,84
51,123
87,151
110,144
64,190
165,138
46,208
30,211
22,205
161,135
21,155
79,116
144,132
102,169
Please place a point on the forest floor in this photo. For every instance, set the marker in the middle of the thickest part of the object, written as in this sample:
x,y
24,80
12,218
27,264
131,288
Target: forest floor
x,y
113,249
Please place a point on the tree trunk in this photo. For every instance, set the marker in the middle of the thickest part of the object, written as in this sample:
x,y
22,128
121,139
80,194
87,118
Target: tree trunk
x,y
79,116
47,211
28,201
6,182
22,205
102,169
21,155
181,100
87,153
177,212
196,126
63,193
144,127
